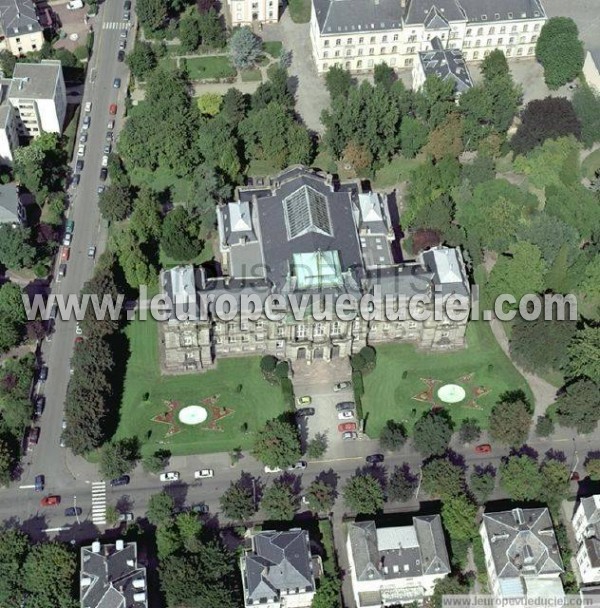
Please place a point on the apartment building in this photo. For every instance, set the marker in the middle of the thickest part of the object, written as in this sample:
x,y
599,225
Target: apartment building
x,y
586,525
279,570
359,34
396,565
301,234
521,554
21,31
39,96
9,136
12,208
249,12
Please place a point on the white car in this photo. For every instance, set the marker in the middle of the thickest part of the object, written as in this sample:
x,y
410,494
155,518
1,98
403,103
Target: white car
x,y
204,474
105,160
300,465
86,123
88,107
170,476
92,251
345,415
81,150
67,239
272,469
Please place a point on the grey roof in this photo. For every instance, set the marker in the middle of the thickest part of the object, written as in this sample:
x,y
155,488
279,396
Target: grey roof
x,y
343,16
400,551
523,543
591,508
179,284
35,80
279,561
435,19
418,11
18,17
9,204
446,64
595,54
448,269
111,578
493,10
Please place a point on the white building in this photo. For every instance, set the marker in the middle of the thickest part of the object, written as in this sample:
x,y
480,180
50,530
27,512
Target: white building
x,y
521,554
248,12
586,525
39,97
20,28
396,565
9,137
591,69
358,34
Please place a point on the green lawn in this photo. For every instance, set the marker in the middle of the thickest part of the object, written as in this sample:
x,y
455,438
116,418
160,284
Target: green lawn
x,y
254,405
299,10
273,48
251,76
397,170
591,164
388,395
209,67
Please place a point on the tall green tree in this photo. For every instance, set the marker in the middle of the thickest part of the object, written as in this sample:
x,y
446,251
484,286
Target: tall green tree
x,y
584,354
363,494
279,502
14,549
432,433
459,515
482,483
393,436
15,249
179,238
578,406
321,496
510,421
520,478
238,502
586,102
245,48
115,203
443,478
142,59
338,82
160,508
402,484
119,457
277,444
152,14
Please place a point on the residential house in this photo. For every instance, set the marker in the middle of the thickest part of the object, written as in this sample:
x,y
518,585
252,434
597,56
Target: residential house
x,y
12,210
521,554
111,576
279,570
396,565
39,97
586,525
249,12
9,135
359,34
20,30
591,69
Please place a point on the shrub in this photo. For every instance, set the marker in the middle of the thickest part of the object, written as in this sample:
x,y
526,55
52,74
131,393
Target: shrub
x,y
544,426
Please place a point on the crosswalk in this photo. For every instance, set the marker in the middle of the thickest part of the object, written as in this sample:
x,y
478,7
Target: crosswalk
x,y
99,502
116,25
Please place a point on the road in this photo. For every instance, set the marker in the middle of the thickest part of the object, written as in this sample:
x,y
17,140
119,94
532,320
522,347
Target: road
x,y
48,458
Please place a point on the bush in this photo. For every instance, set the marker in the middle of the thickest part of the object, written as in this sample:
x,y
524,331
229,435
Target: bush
x,y
359,390
369,356
544,426
267,366
469,430
287,389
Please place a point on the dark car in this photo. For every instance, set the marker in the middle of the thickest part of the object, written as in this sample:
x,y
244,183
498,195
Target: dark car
x,y
79,165
109,136
75,181
43,373
305,411
121,56
120,481
40,404
72,511
345,406
127,5
374,458
39,483
201,508
33,437
103,174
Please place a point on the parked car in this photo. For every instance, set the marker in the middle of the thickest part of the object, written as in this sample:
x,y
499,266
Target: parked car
x,y
345,414
79,166
40,403
100,189
340,386
345,405
297,466
107,148
117,83
65,253
83,138
39,483
64,424
122,44
374,458
62,271
67,239
170,476
105,160
112,109
43,373
109,136
201,508
88,107
50,501
103,173
126,517
121,56
484,448
204,474
69,226
346,426
73,5
33,438
306,400
120,481
72,511
110,125
272,469
349,435
126,15
81,150
124,33
87,120
127,5
75,180
574,476
305,411
62,443
92,251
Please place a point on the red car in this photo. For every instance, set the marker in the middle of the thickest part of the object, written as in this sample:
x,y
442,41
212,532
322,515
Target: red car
x,y
575,476
112,109
66,251
50,501
346,426
484,448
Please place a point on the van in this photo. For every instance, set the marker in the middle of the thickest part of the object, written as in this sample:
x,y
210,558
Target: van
x,y
74,5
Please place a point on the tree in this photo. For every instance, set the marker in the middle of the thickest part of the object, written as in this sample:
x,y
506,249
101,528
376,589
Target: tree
x,y
494,65
357,156
560,51
482,169
142,60
413,135
432,433
544,119
15,250
238,502
188,32
435,101
510,420
384,75
555,476
209,104
115,203
317,446
575,205
592,465
586,103
14,548
393,436
446,139
154,463
12,311
152,14
469,430
145,221
328,593
212,31
450,585
544,426
7,63
578,406
338,82
443,478
321,496
7,460
118,457
179,238
482,483
48,575
402,485
459,515
279,502
245,48
583,352
277,444
363,494
207,188
160,508
520,478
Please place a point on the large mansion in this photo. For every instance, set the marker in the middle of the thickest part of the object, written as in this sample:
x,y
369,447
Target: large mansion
x,y
358,34
303,233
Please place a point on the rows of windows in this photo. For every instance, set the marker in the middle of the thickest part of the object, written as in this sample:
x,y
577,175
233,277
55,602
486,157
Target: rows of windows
x,y
501,30
500,41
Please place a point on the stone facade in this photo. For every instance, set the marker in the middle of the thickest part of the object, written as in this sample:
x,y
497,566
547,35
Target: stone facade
x,y
248,12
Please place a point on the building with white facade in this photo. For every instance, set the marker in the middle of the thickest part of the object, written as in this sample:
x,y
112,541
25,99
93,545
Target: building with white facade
x,y
358,34
521,554
9,136
20,29
39,97
396,565
586,525
248,12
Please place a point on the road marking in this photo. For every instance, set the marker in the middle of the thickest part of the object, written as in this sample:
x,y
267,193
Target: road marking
x,y
99,502
55,529
338,459
115,25
26,487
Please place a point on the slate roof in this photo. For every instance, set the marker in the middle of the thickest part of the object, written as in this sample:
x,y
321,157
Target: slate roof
x,y
493,10
343,16
446,64
179,284
18,17
591,508
278,561
35,80
419,11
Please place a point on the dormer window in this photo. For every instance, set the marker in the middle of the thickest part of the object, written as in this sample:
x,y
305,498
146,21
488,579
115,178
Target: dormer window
x,y
496,15
510,15
484,17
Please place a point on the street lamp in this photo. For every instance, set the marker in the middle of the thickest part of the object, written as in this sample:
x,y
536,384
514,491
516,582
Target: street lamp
x,y
75,507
